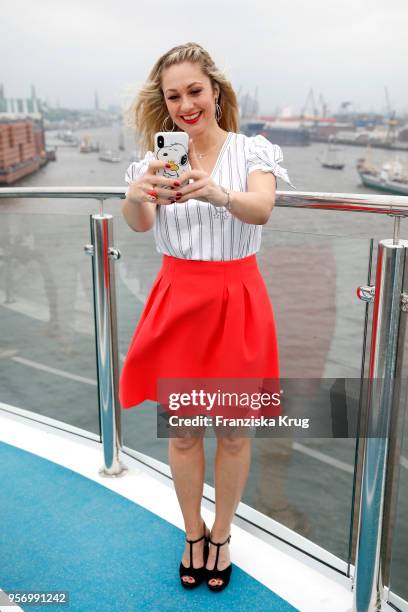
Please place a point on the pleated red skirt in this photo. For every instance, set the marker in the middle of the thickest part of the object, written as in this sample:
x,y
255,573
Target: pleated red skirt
x,y
202,319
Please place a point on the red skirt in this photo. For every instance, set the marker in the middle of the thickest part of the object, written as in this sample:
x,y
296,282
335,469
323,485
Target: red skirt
x,y
202,319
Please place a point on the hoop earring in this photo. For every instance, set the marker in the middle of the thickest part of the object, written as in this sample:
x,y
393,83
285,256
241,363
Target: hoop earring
x,y
218,112
164,125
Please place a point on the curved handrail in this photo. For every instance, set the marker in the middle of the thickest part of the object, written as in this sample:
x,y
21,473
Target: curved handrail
x,y
347,202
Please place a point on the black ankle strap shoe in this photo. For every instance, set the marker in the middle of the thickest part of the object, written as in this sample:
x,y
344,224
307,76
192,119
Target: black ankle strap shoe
x,y
197,573
224,574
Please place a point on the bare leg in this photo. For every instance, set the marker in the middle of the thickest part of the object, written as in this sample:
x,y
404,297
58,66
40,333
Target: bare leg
x,y
231,468
187,463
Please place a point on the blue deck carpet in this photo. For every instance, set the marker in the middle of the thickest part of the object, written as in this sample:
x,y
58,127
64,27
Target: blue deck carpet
x,y
60,531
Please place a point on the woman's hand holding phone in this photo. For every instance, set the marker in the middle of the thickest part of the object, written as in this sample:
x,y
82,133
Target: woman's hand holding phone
x,y
202,188
158,189
150,187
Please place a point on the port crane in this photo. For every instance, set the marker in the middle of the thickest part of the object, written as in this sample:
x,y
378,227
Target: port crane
x,y
310,102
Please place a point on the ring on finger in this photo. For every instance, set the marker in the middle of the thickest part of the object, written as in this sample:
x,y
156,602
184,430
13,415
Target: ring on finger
x,y
152,195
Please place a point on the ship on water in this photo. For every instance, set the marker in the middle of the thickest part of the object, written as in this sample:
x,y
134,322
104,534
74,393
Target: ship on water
x,y
391,178
280,133
109,155
282,129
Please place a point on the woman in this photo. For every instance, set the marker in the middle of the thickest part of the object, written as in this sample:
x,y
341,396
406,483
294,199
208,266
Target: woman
x,y
208,314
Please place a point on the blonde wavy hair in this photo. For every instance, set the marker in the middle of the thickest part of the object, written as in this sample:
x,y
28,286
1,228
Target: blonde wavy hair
x,y
148,111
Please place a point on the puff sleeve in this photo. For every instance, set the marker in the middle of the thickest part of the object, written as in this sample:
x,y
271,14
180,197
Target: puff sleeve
x,y
138,168
265,156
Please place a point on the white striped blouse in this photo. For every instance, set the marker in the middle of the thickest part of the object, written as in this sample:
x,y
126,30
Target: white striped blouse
x,y
199,230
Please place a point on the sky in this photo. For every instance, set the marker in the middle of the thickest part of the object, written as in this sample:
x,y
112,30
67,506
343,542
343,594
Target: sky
x,y
343,49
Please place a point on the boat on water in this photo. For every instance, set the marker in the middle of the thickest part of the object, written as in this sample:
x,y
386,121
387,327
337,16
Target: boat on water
x,y
90,516
331,159
109,155
51,153
68,138
88,146
85,146
392,177
121,145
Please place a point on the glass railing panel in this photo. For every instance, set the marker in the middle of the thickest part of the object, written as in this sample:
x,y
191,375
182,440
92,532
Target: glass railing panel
x,y
47,342
307,483
135,273
399,559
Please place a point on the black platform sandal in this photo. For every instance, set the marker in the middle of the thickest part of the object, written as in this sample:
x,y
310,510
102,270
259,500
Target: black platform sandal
x,y
197,573
224,574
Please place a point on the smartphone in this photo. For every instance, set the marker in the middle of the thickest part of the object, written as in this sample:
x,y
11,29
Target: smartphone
x,y
172,147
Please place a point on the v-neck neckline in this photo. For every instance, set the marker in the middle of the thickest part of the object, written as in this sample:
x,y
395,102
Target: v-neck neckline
x,y
221,154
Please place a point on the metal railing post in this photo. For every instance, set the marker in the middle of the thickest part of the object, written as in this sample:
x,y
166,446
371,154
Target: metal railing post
x,y
384,409
106,341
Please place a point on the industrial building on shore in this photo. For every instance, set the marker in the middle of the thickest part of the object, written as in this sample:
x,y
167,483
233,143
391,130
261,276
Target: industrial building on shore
x,y
22,140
